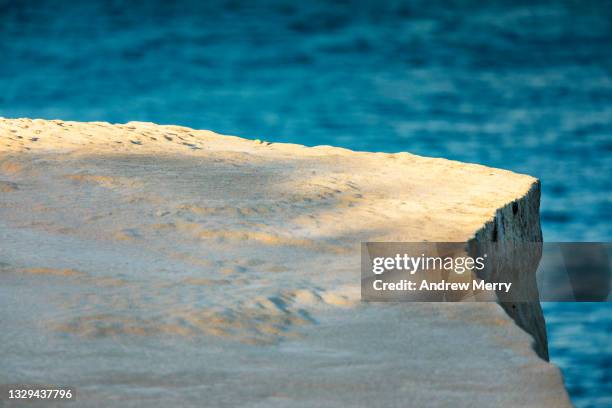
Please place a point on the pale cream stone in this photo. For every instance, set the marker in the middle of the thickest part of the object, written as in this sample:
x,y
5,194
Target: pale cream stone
x,y
246,254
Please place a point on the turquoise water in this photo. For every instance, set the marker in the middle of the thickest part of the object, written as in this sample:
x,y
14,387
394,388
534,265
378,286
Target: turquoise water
x,y
517,85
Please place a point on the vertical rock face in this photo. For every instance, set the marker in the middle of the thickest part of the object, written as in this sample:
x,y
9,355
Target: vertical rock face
x,y
162,258
514,236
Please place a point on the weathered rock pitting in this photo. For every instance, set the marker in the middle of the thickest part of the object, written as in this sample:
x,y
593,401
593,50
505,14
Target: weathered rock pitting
x,y
513,236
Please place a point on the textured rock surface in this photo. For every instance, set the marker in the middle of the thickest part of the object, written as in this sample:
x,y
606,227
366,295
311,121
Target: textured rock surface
x,y
509,236
166,264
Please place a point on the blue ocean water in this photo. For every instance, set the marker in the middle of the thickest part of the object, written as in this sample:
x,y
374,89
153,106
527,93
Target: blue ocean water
x,y
525,86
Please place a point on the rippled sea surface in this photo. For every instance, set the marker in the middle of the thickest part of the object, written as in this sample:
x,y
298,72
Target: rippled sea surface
x,y
517,85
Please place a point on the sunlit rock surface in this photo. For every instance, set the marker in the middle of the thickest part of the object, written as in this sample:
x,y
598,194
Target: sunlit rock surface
x,y
162,265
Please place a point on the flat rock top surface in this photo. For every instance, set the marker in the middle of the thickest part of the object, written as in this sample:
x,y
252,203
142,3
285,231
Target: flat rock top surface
x,y
152,262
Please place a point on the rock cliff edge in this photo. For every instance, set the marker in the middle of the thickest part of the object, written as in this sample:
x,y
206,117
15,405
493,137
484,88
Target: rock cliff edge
x,y
140,261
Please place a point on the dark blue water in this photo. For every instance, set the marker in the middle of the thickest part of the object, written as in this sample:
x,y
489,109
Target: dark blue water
x,y
517,85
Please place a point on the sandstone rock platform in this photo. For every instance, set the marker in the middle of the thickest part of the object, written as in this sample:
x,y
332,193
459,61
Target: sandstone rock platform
x,y
160,265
